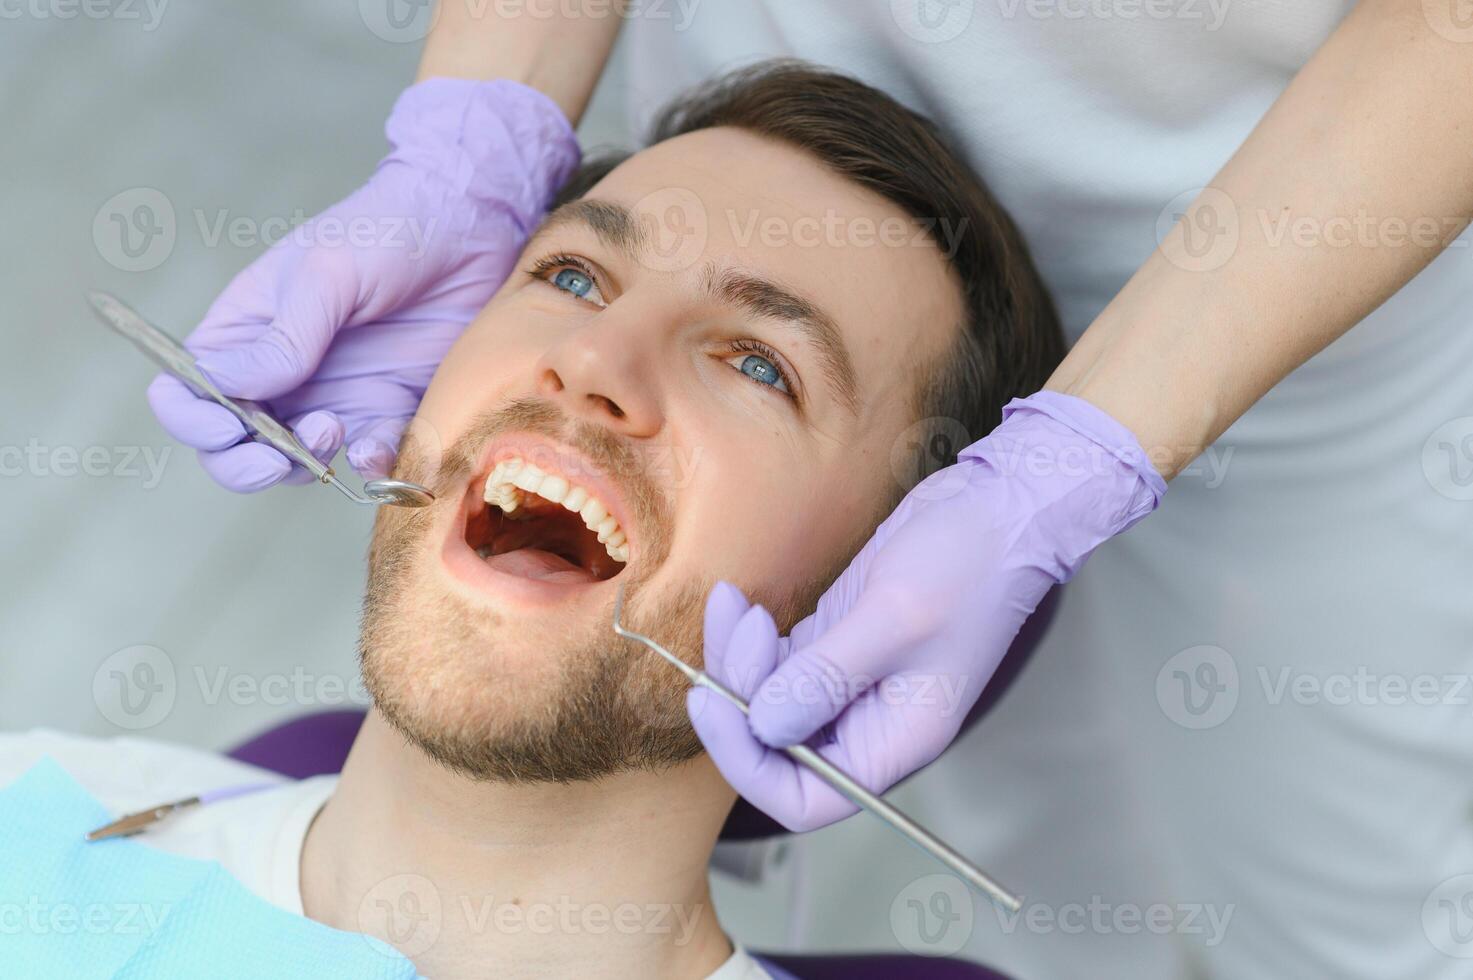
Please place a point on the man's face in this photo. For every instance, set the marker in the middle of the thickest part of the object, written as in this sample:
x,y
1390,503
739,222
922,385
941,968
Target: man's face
x,y
713,357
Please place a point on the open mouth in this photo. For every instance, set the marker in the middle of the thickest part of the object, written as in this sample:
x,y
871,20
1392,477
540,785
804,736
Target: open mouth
x,y
532,524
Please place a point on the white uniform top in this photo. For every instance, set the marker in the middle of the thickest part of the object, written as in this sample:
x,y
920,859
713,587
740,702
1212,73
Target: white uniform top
x,y
1300,772
258,837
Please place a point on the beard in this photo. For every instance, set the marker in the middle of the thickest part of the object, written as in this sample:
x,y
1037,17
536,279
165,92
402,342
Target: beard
x,y
447,675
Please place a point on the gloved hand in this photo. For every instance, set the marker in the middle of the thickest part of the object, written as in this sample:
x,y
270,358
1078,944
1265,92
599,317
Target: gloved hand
x,y
338,328
903,643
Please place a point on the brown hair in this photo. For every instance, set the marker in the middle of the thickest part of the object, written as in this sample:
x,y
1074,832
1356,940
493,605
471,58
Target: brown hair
x,y
1010,341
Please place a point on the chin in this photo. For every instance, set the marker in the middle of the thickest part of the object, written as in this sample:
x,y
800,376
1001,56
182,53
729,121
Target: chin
x,y
567,706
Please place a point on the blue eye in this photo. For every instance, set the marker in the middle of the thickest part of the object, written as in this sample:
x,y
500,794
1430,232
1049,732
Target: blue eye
x,y
571,275
573,281
762,370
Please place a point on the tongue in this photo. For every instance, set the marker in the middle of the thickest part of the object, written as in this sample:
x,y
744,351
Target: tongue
x,y
534,563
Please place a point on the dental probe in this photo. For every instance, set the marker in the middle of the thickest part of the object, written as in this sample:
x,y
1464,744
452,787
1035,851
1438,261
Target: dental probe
x,y
170,355
136,823
840,780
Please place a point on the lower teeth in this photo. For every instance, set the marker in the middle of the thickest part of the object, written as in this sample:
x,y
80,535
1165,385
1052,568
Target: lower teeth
x,y
484,551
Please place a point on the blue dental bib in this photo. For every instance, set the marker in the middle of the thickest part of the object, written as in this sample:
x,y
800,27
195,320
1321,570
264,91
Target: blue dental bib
x,y
119,910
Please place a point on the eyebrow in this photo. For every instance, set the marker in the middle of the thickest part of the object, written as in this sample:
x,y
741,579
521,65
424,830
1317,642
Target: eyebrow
x,y
618,228
615,225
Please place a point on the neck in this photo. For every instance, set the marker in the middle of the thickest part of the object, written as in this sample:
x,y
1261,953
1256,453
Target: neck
x,y
467,878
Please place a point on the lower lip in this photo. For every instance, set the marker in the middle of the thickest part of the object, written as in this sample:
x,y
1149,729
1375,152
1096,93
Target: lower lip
x,y
523,576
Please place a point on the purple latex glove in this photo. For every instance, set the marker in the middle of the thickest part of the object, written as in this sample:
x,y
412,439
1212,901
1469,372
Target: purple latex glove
x,y
338,328
903,643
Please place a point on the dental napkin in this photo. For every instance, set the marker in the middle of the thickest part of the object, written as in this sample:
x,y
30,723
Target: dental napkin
x,y
119,910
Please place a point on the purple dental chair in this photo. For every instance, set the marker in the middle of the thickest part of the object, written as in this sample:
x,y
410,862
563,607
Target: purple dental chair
x,y
318,743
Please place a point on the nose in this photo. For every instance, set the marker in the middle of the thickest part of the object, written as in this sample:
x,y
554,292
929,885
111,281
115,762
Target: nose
x,y
604,373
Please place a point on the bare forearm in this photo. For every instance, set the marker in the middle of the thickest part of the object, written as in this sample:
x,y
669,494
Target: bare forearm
x,y
559,48
1358,176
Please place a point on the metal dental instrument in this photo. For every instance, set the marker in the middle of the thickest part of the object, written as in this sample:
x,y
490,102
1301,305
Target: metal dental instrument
x,y
136,823
170,355
840,780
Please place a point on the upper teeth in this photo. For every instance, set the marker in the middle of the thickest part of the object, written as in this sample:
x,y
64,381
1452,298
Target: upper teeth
x,y
513,478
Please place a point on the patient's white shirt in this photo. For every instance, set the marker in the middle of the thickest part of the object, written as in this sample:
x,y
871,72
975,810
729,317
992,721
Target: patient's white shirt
x,y
257,837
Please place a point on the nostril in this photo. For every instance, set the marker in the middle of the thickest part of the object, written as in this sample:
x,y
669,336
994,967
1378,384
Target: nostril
x,y
608,405
551,383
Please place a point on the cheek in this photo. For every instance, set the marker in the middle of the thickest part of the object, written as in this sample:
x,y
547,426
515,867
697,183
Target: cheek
x,y
488,361
765,525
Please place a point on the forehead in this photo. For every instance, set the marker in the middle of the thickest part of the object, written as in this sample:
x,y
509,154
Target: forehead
x,y
727,199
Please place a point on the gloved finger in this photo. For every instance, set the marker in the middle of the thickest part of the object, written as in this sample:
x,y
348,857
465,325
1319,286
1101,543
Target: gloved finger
x,y
197,422
375,408
320,432
308,315
724,608
751,653
811,687
372,453
264,368
246,467
764,777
